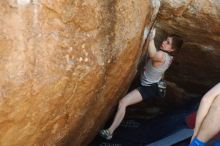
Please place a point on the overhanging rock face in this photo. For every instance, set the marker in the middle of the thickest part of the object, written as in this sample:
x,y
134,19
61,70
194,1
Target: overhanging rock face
x,y
63,65
198,21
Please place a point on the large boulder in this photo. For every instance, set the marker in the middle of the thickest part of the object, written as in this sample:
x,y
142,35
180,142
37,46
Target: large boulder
x,y
64,64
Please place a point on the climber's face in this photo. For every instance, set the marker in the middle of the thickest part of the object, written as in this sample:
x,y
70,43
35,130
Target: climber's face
x,y
167,45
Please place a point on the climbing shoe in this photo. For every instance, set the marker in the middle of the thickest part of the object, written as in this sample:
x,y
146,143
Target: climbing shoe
x,y
104,133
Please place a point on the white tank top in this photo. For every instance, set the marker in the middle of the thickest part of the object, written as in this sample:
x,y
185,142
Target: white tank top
x,y
152,74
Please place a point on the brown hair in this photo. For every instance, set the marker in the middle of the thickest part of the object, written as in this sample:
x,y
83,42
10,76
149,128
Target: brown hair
x,y
177,42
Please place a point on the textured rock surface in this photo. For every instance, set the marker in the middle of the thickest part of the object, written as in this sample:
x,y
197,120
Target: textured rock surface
x,y
63,66
198,65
